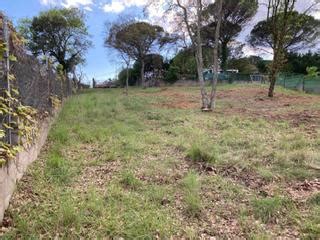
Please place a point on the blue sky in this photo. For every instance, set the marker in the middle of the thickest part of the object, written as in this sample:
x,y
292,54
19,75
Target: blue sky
x,y
103,63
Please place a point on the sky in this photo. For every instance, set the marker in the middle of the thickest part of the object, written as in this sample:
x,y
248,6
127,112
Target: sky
x,y
102,63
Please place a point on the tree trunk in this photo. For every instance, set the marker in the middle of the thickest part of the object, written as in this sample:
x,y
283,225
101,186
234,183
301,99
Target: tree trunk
x,y
213,94
69,87
273,79
224,56
143,84
204,96
272,85
127,81
275,68
199,59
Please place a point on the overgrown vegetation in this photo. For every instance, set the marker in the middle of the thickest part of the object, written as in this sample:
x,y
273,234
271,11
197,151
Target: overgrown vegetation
x,y
142,167
17,122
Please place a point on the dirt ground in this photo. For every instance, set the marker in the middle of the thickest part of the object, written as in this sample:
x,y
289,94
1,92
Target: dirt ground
x,y
298,109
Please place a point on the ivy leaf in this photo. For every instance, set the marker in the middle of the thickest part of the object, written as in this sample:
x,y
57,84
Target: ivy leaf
x,y
12,58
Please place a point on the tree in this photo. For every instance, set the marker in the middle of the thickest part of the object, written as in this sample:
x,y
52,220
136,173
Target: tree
x,y
132,77
283,29
302,31
113,41
235,15
59,33
191,16
136,40
243,65
298,63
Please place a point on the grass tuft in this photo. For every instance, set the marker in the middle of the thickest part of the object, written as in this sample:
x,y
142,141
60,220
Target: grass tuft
x,y
268,210
57,169
191,186
314,199
128,180
197,154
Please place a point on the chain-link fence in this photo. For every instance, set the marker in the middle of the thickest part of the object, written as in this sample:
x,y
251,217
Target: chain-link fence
x,y
232,77
37,81
24,79
300,82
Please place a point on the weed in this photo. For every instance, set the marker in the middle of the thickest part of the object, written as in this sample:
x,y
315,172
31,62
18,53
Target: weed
x,y
68,214
128,180
270,209
57,169
192,198
314,199
197,154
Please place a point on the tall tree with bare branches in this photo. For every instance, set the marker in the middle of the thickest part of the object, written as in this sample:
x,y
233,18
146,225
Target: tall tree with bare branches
x,y
192,18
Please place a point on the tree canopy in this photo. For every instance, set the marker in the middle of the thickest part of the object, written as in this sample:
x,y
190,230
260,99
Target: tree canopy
x,y
303,30
136,40
59,33
235,15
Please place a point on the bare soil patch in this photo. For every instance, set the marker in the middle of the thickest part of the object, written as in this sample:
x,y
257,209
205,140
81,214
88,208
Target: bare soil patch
x,y
252,102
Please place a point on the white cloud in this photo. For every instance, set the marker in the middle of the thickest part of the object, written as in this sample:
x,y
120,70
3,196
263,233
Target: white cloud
x,y
87,8
118,6
49,2
115,7
76,3
86,4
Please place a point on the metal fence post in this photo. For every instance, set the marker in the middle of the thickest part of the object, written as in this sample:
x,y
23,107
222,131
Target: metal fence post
x,y
6,58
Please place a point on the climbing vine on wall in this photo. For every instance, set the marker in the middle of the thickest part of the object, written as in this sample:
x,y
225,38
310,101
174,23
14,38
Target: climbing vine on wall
x,y
19,130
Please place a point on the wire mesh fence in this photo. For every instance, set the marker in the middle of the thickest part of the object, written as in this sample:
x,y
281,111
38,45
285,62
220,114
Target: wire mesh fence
x,y
289,81
24,79
232,77
300,82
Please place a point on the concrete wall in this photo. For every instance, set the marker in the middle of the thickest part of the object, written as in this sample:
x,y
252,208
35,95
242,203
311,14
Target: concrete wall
x,y
14,170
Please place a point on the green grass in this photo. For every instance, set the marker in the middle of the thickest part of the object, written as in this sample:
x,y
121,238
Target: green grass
x,y
130,167
192,198
271,209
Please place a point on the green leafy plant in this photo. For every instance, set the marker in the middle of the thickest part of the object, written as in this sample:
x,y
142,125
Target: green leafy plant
x,y
21,121
312,71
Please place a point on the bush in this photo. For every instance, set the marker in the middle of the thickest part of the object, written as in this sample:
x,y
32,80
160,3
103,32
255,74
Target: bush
x,y
171,75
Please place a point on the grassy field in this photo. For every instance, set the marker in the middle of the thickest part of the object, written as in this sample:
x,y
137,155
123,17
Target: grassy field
x,y
152,165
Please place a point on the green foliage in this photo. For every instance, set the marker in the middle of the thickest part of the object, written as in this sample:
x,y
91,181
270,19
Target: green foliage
x,y
269,209
128,180
302,31
312,71
133,77
171,75
57,169
243,65
191,186
135,40
22,117
235,15
298,63
185,62
121,168
65,24
314,199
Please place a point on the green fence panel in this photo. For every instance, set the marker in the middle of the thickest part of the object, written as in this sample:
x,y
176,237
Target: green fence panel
x,y
300,82
312,85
